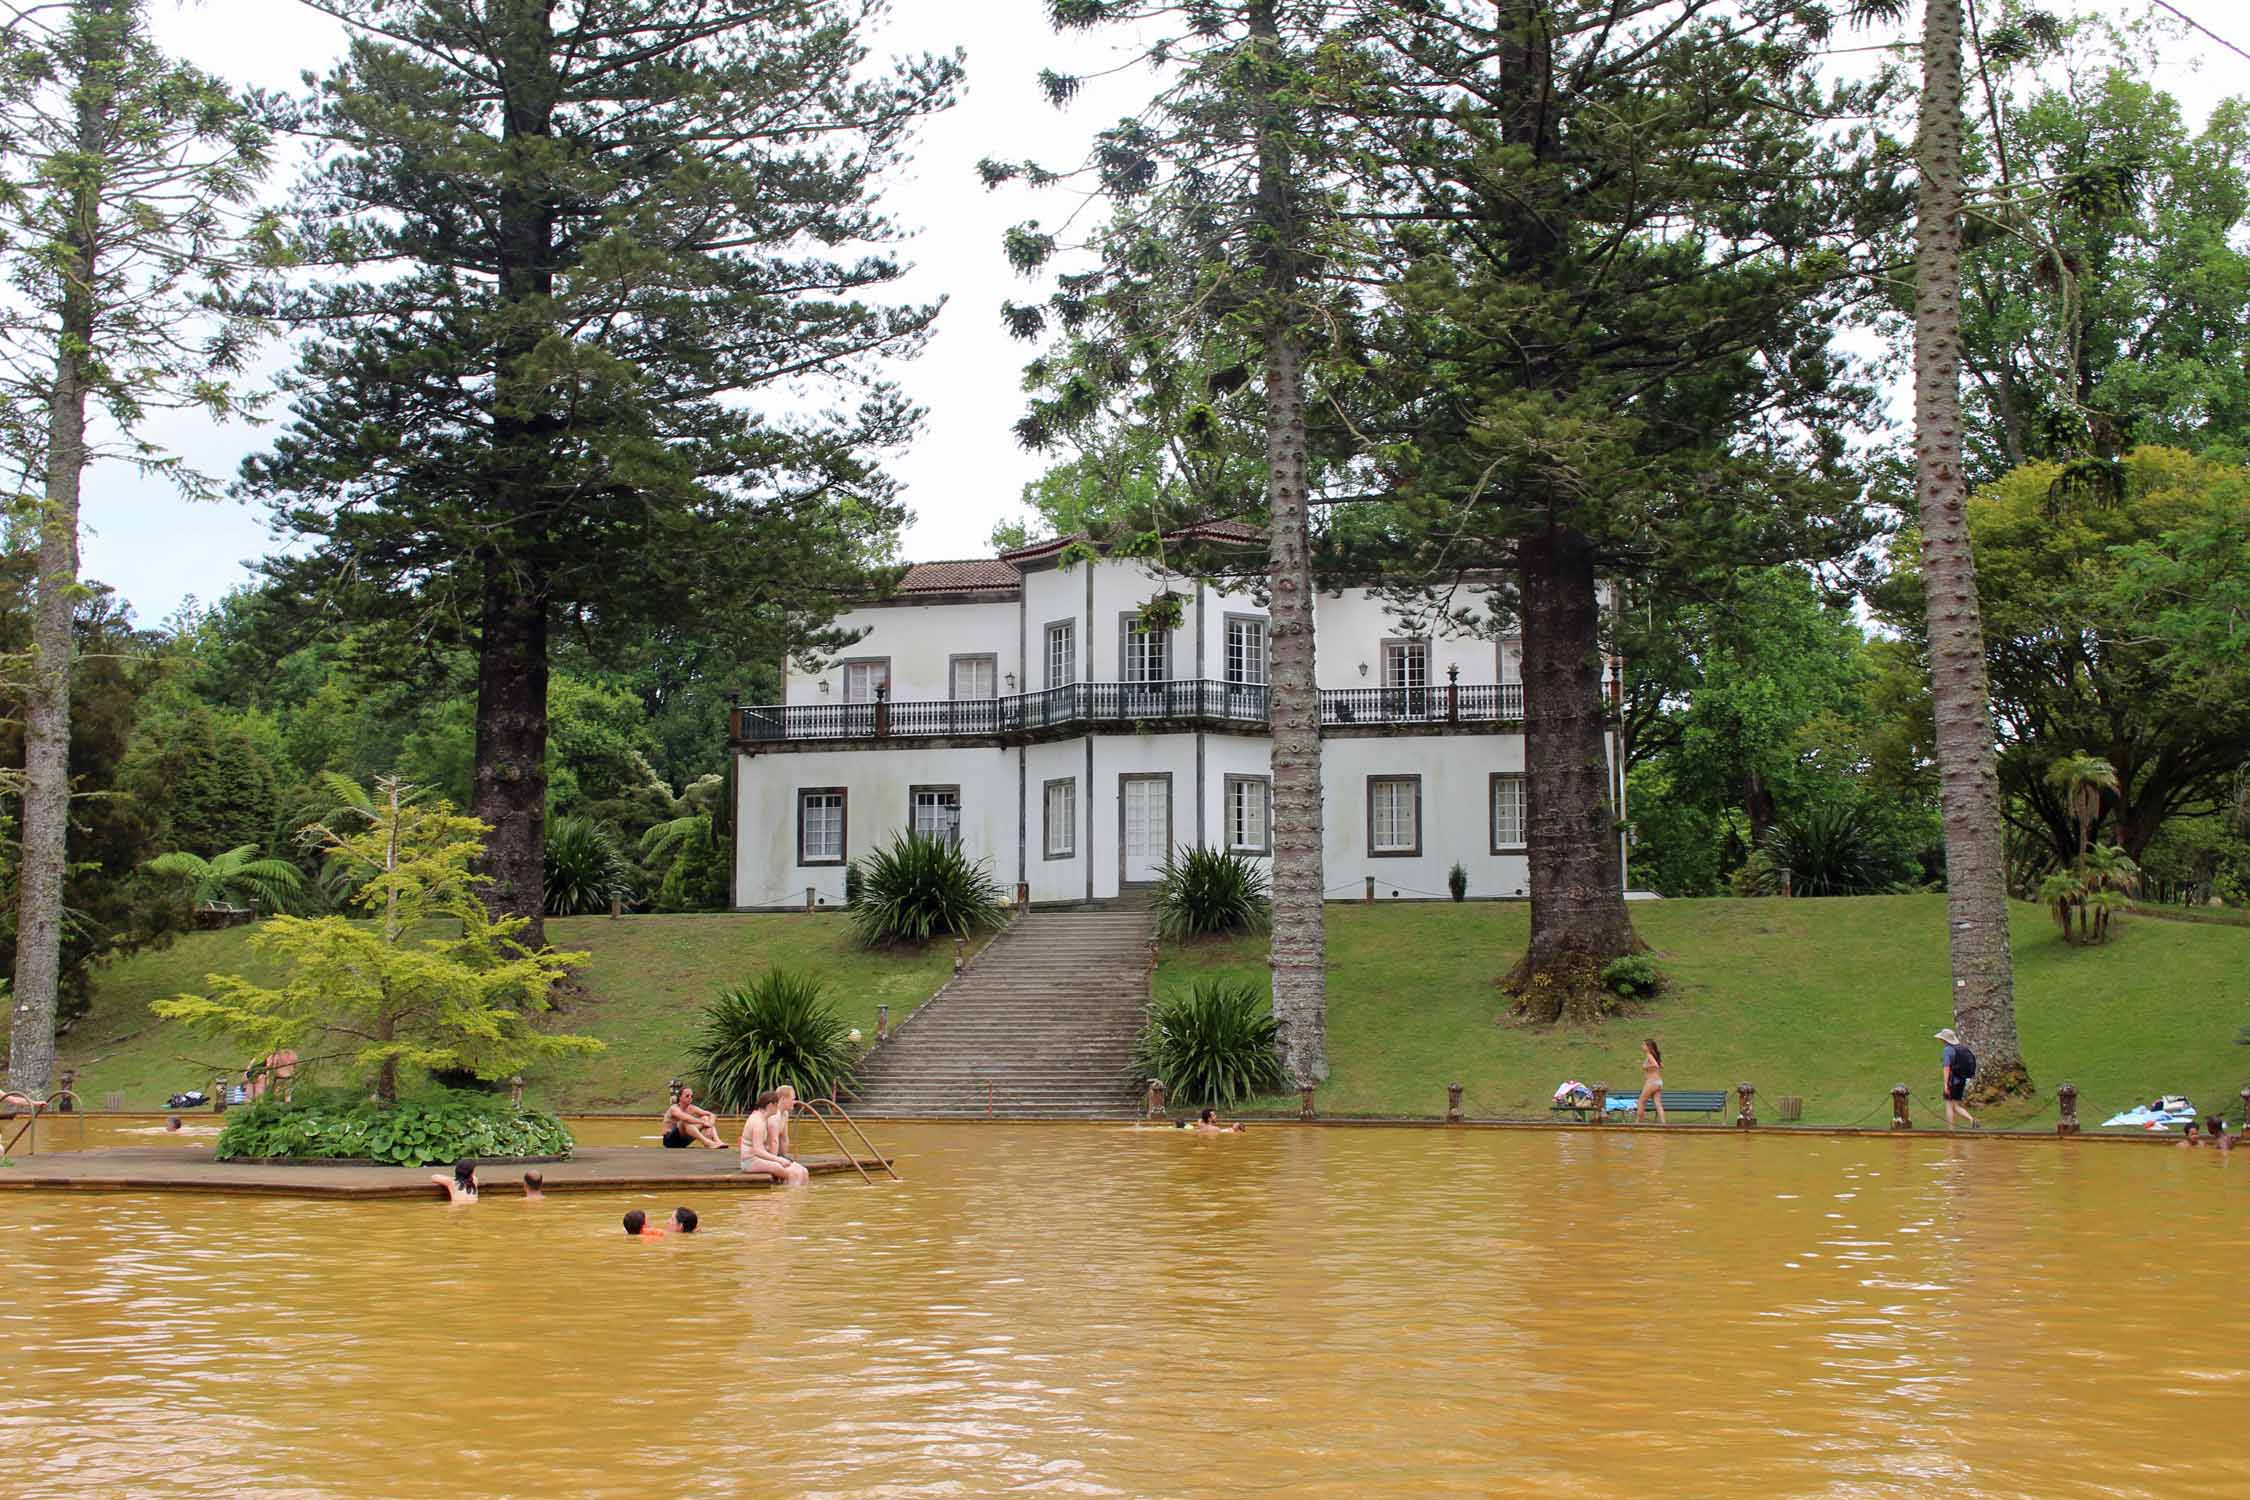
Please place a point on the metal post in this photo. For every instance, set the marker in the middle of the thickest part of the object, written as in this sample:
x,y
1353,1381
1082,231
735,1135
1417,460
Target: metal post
x,y
1023,895
218,1096
1748,1119
1370,889
66,1097
808,898
1305,1094
1601,1102
960,954
882,1022
1156,1098
1900,1120
2067,1097
616,905
1453,1104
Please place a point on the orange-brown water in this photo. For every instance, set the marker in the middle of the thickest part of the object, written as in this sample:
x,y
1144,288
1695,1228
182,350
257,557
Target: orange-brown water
x,y
1120,1312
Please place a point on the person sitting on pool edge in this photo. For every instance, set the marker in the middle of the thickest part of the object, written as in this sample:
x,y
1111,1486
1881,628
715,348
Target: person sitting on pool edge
x,y
461,1187
685,1125
758,1154
684,1221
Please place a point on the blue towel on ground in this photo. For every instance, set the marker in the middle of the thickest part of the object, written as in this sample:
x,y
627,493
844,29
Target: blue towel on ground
x,y
2142,1115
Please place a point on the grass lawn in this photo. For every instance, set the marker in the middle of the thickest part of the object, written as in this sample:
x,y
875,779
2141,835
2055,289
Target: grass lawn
x,y
1832,1000
641,993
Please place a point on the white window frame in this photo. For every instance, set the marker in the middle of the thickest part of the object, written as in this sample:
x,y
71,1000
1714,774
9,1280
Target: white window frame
x,y
1246,662
873,672
1389,798
1062,653
1060,838
1517,788
825,796
1252,795
937,798
1406,664
989,661
1152,648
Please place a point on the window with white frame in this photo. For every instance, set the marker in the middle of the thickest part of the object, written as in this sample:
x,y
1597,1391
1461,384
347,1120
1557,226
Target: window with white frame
x,y
937,812
1145,653
1406,664
1246,651
1394,815
862,678
976,677
1061,841
1508,813
1249,814
820,826
1062,653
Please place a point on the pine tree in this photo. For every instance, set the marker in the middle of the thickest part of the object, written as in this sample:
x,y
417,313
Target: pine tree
x,y
123,180
1223,252
587,243
1976,867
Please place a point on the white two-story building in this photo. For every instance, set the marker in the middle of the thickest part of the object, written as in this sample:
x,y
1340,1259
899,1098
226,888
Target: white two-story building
x,y
1024,708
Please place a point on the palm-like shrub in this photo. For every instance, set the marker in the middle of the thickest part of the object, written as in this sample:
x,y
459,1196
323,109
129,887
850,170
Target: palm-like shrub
x,y
582,868
778,1029
1204,892
1213,1045
272,883
1835,849
920,887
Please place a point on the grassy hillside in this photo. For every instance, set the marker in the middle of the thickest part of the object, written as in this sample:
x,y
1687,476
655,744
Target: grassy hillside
x,y
1832,1000
640,993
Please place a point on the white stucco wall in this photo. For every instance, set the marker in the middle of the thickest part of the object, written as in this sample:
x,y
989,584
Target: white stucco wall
x,y
920,640
1456,773
1352,627
877,785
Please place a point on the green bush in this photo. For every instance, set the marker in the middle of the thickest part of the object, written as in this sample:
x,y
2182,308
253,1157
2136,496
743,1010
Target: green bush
x,y
920,887
854,882
775,1030
1835,849
434,1126
1204,892
1633,975
1213,1045
1457,881
583,868
697,880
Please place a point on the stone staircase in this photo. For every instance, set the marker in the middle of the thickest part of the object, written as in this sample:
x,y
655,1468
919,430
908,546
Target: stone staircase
x,y
1046,1015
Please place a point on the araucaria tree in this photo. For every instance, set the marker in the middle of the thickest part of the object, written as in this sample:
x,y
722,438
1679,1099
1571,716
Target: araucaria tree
x,y
1224,237
123,183
587,241
430,979
1623,233
1976,870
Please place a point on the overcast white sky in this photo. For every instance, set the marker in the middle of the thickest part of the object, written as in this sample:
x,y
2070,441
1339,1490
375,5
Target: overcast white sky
x,y
965,470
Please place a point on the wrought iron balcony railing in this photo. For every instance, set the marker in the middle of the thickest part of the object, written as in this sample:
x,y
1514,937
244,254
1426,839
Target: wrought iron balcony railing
x,y
1081,705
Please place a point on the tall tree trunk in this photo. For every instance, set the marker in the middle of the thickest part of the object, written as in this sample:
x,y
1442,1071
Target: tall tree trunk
x,y
1757,805
1578,918
1298,946
511,769
46,716
511,772
1976,867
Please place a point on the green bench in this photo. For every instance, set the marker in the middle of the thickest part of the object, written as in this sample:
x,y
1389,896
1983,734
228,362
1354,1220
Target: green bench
x,y
1676,1102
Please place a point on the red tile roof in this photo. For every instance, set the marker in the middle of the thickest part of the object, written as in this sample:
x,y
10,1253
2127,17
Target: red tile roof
x,y
959,577
1201,531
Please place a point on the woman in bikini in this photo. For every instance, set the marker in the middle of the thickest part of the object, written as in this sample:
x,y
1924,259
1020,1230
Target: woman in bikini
x,y
1652,1082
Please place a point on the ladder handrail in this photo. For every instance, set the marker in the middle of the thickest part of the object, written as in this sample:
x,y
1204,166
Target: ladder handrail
x,y
812,1106
38,1107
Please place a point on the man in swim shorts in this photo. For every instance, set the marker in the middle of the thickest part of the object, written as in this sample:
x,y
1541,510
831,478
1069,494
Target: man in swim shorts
x,y
685,1125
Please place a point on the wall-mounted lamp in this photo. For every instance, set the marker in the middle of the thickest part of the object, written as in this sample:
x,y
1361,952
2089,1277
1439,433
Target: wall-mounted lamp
x,y
1363,669
823,687
1011,682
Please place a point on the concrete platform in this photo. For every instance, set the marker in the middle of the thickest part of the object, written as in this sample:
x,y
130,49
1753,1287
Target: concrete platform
x,y
594,1169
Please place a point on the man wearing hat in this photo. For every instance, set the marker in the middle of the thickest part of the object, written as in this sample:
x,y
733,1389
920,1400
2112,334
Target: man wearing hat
x,y
1955,1069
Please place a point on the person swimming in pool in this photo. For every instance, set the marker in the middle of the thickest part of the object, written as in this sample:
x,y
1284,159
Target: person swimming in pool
x,y
461,1187
686,1125
1207,1123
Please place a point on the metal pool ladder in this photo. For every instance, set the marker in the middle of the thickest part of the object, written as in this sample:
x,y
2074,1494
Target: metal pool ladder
x,y
813,1107
38,1107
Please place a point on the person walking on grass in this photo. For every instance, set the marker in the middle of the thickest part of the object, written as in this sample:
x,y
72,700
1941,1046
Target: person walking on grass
x,y
1652,1082
1956,1066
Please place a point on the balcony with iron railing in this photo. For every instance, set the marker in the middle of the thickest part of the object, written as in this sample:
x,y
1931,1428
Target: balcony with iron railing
x,y
1079,706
